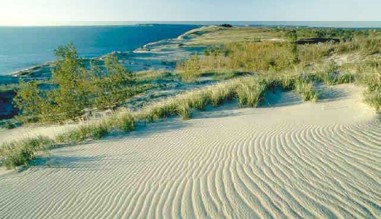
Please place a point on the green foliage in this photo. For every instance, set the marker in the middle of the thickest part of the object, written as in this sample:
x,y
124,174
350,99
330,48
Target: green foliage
x,y
22,152
373,92
373,98
190,69
331,74
222,92
306,90
292,35
115,86
75,88
241,57
125,122
99,131
184,110
30,100
69,73
199,100
251,92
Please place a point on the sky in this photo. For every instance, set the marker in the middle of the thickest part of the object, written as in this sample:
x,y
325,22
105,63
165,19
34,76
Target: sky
x,y
60,12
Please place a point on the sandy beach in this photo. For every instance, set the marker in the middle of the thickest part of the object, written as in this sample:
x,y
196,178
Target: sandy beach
x,y
285,159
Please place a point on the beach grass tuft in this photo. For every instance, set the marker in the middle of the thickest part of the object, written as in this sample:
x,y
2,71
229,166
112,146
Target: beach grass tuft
x,y
24,151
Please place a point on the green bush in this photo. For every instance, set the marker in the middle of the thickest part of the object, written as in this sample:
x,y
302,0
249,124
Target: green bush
x,y
190,69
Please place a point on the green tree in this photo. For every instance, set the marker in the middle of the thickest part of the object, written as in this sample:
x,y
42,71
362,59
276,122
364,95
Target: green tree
x,y
30,100
115,86
71,77
75,88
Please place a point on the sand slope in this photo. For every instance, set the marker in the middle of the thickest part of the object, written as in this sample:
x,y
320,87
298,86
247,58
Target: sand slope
x,y
291,161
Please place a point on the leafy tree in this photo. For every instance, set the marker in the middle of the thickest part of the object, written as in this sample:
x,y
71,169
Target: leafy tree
x,y
69,73
115,86
75,88
30,101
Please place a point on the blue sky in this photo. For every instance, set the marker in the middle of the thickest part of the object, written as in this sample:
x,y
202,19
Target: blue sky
x,y
47,12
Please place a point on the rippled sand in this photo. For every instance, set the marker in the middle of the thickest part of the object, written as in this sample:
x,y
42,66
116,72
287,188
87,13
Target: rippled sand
x,y
289,160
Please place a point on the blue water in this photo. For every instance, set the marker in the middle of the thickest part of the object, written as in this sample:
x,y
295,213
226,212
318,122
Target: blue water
x,y
24,47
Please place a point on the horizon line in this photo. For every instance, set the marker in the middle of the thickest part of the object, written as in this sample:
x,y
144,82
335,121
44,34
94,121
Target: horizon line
x,y
131,23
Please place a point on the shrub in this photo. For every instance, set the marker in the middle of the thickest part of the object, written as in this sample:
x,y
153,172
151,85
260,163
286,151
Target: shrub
x,y
190,69
31,101
71,95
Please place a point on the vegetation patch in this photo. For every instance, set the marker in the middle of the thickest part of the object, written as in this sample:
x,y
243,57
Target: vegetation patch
x,y
23,152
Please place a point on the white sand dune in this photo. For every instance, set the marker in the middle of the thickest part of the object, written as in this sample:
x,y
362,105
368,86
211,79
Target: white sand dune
x,y
306,160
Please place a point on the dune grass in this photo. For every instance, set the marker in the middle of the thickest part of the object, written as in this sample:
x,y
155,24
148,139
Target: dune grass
x,y
306,91
373,92
251,93
24,151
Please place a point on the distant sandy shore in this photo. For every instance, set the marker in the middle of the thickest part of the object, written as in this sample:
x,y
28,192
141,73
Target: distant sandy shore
x,y
284,159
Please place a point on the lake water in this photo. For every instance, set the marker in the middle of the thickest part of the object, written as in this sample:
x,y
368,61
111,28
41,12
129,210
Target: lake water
x,y
24,47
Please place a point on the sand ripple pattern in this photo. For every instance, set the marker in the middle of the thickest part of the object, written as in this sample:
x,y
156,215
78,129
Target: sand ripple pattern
x,y
217,167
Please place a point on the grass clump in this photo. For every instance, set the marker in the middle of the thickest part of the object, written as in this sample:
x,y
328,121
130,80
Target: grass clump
x,y
22,152
251,92
373,93
99,131
373,98
223,92
306,90
74,136
124,122
184,110
158,111
198,100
